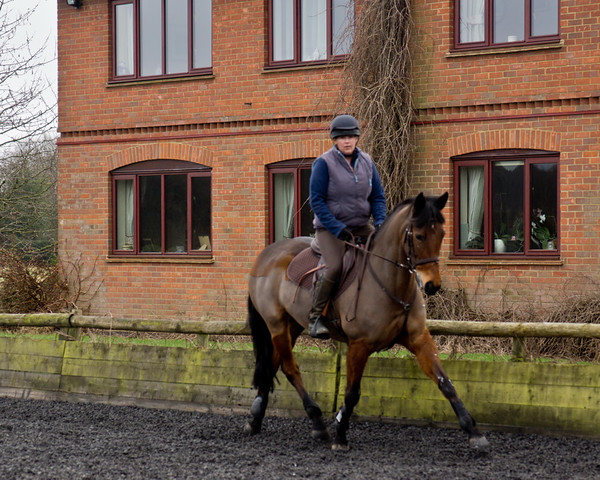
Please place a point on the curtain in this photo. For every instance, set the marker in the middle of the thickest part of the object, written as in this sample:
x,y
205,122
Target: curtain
x,y
476,206
176,33
471,206
124,43
202,18
283,185
124,214
314,29
283,30
343,23
472,14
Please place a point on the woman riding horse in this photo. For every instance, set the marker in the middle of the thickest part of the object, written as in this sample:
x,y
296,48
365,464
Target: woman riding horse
x,y
345,190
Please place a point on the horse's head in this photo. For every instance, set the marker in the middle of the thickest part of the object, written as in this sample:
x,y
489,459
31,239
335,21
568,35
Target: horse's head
x,y
423,239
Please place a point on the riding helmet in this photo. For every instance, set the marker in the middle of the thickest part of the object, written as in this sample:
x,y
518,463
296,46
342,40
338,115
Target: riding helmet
x,y
344,125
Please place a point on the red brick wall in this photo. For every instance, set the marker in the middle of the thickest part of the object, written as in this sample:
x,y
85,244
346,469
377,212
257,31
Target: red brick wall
x,y
244,117
236,122
545,98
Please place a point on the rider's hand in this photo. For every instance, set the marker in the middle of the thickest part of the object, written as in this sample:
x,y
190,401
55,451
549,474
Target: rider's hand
x,y
345,235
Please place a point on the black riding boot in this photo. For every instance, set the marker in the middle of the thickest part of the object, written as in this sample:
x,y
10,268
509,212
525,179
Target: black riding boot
x,y
316,326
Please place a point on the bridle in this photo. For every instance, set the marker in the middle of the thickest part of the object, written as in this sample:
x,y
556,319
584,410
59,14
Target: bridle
x,y
410,265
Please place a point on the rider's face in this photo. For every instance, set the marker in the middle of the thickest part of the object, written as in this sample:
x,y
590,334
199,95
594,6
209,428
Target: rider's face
x,y
346,144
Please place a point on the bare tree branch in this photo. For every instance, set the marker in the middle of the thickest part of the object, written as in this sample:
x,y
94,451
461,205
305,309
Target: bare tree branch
x,y
24,111
378,89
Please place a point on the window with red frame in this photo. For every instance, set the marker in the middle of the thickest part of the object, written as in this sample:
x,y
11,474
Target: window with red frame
x,y
490,23
161,207
309,31
158,38
507,204
290,212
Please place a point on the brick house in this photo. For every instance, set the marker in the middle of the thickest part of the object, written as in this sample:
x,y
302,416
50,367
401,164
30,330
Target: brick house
x,y
187,130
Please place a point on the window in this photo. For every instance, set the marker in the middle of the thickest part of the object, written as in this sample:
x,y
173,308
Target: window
x,y
157,38
507,204
162,207
290,212
309,31
487,23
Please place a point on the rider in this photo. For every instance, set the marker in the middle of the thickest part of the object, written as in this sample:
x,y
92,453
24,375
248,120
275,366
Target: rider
x,y
345,191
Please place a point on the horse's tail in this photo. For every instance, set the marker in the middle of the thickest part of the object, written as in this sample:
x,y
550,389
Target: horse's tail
x,y
263,350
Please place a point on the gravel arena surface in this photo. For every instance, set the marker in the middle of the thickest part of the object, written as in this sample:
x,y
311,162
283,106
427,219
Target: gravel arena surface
x,y
62,440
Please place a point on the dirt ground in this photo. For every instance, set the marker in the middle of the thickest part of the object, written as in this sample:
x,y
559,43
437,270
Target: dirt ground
x,y
61,440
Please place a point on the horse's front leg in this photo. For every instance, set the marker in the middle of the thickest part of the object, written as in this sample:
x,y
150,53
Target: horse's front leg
x,y
426,352
356,360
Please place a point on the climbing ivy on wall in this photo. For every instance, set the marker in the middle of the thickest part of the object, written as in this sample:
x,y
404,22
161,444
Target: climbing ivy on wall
x,y
378,89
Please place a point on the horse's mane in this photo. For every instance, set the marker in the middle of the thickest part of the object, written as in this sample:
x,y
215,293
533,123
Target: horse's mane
x,y
430,212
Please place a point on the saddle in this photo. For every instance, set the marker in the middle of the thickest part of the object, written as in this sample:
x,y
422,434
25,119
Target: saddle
x,y
305,268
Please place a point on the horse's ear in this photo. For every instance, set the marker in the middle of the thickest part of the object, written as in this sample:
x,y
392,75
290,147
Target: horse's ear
x,y
440,202
419,204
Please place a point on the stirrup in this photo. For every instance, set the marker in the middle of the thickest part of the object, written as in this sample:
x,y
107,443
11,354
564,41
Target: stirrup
x,y
318,330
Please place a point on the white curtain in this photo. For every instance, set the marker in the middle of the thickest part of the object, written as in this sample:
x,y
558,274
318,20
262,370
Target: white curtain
x,y
314,30
202,18
124,43
283,185
476,206
471,205
283,30
124,214
343,26
472,15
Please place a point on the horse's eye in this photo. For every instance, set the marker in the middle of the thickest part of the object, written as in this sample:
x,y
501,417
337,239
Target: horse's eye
x,y
420,237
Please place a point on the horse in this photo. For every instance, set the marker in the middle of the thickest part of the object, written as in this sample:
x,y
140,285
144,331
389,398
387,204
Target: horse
x,y
383,306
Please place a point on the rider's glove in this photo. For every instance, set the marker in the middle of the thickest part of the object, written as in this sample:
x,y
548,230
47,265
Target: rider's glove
x,y
345,235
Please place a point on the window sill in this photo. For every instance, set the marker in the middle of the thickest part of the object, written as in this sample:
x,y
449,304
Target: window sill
x,y
164,259
542,261
301,67
495,50
140,81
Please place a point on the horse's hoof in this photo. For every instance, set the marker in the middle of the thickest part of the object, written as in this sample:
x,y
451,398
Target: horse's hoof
x,y
339,447
479,443
320,435
251,429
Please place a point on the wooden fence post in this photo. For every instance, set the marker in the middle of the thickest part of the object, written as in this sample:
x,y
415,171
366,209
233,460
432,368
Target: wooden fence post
x,y
518,349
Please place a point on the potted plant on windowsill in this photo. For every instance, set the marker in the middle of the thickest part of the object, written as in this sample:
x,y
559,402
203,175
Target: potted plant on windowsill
x,y
509,242
541,235
500,240
515,242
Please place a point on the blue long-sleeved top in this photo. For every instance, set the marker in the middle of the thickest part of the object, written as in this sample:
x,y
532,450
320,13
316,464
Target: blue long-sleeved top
x,y
341,196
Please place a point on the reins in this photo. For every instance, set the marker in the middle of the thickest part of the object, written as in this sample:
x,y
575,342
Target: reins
x,y
409,265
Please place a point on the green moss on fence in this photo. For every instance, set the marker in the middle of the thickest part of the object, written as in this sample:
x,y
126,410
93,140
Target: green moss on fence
x,y
548,397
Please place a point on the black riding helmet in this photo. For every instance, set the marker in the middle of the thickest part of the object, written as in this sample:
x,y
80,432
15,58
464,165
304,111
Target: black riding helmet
x,y
344,125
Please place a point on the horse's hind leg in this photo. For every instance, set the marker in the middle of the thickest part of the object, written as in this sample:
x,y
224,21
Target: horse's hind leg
x,y
267,363
283,344
426,352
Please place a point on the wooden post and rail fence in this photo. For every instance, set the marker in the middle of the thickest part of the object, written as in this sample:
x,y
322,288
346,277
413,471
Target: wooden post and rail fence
x,y
536,396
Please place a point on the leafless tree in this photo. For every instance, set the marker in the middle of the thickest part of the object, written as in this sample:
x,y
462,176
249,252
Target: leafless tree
x,y
24,111
378,89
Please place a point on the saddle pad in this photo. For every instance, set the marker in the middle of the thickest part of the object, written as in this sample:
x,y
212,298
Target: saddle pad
x,y
307,260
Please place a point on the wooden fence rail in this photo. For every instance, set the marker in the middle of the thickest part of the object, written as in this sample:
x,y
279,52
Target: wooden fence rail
x,y
235,327
548,397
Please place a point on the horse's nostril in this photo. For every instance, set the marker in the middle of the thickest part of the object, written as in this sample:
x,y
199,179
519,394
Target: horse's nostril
x,y
431,288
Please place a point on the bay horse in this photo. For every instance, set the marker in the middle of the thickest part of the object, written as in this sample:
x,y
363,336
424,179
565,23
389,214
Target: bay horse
x,y
382,306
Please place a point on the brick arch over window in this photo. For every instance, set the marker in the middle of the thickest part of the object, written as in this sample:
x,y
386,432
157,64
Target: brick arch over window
x,y
154,151
301,149
504,139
